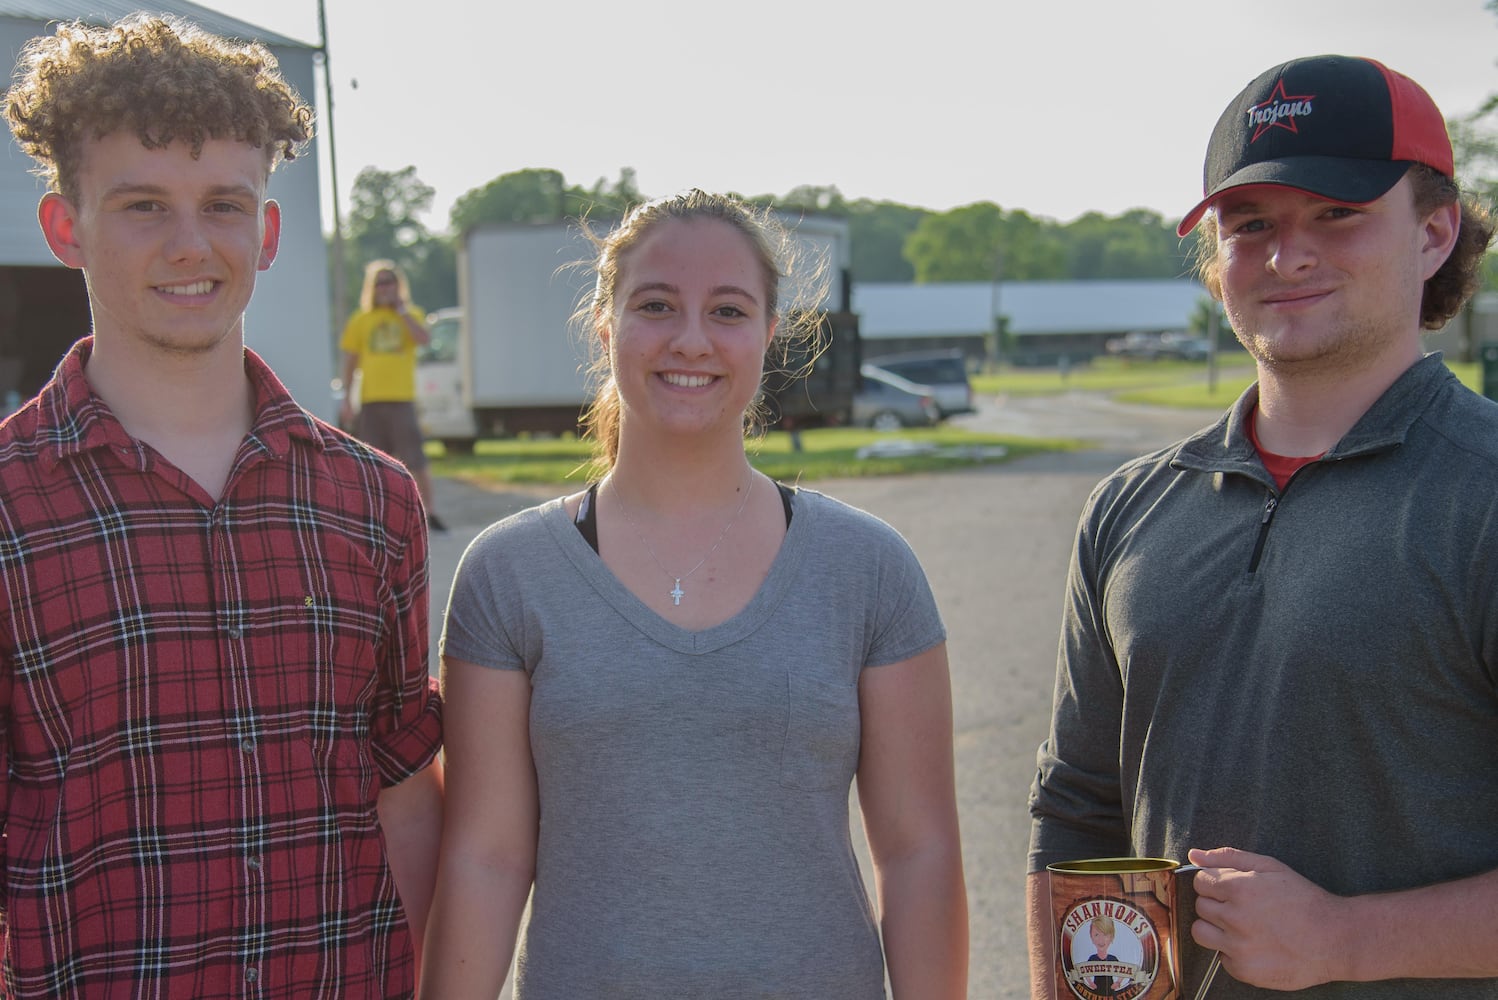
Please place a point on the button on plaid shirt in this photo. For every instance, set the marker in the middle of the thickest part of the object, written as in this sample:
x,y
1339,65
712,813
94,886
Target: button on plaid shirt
x,y
200,704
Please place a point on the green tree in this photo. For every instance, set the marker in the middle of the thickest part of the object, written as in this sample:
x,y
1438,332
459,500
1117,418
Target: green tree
x,y
605,201
1474,141
1137,244
959,245
877,232
541,195
1032,249
823,199
1207,310
384,223
433,274
383,213
531,195
981,241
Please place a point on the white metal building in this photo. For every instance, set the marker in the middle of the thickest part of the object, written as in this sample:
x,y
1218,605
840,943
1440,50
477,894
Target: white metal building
x,y
1045,319
43,305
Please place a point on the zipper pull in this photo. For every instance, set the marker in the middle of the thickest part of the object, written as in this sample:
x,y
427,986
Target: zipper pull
x,y
1269,507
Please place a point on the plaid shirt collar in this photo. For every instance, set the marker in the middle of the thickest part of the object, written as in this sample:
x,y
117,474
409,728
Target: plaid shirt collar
x,y
72,420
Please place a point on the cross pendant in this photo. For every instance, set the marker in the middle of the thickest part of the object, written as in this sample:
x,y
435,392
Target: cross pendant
x,y
677,593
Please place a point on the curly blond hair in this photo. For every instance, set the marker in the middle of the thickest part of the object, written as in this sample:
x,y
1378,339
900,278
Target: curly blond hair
x,y
164,79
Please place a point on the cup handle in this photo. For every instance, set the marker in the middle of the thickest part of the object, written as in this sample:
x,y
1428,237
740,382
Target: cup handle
x,y
1186,897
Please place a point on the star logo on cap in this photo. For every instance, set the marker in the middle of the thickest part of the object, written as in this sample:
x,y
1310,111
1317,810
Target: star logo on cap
x,y
1279,111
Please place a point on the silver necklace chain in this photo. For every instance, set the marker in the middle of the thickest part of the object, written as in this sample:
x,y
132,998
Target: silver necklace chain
x,y
676,593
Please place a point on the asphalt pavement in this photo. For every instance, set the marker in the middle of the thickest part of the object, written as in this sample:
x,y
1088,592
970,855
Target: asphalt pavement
x,y
994,542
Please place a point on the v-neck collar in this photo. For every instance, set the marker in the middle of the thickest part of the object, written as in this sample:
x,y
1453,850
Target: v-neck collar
x,y
771,592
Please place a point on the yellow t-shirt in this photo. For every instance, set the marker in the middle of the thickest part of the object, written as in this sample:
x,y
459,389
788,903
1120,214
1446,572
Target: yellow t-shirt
x,y
387,354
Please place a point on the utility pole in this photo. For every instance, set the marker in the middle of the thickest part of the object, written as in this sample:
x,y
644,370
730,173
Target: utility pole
x,y
996,354
1214,325
339,305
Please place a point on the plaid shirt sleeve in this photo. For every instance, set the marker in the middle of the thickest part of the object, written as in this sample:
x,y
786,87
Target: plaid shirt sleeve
x,y
406,728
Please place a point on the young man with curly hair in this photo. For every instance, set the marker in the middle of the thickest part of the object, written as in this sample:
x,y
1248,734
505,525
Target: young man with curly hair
x,y
1279,653
218,730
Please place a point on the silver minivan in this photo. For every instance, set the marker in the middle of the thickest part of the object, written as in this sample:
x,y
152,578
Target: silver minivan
x,y
887,402
944,371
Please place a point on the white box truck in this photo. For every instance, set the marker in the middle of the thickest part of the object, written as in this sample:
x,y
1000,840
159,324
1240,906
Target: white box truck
x,y
509,360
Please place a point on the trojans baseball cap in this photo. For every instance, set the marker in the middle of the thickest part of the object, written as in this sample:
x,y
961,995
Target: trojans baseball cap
x,y
1337,127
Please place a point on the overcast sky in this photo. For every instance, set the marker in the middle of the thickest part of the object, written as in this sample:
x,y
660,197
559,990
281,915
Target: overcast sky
x,y
1057,109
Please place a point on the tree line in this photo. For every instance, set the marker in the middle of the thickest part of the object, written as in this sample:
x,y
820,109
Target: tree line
x,y
890,242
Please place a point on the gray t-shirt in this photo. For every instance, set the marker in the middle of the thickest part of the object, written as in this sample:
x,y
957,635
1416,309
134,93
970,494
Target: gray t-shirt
x,y
694,837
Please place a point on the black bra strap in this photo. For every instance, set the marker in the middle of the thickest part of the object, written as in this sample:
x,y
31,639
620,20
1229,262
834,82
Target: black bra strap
x,y
587,512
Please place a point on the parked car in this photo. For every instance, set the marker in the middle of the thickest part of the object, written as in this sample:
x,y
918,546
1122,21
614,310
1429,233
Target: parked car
x,y
1150,346
1185,346
887,402
945,372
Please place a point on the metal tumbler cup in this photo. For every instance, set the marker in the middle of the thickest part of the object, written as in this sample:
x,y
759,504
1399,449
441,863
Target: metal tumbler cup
x,y
1120,928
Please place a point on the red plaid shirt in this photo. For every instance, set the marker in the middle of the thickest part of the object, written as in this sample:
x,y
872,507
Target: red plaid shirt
x,y
200,704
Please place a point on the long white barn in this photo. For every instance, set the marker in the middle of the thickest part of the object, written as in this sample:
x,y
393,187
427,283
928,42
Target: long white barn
x,y
1044,320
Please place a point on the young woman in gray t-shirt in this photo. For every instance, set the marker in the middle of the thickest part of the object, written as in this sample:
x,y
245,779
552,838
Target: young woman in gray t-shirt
x,y
659,690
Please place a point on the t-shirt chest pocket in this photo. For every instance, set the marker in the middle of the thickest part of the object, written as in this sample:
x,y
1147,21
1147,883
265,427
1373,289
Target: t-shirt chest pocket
x,y
821,734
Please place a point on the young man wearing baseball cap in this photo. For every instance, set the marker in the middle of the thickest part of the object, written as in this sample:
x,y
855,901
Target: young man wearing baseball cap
x,y
1279,651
